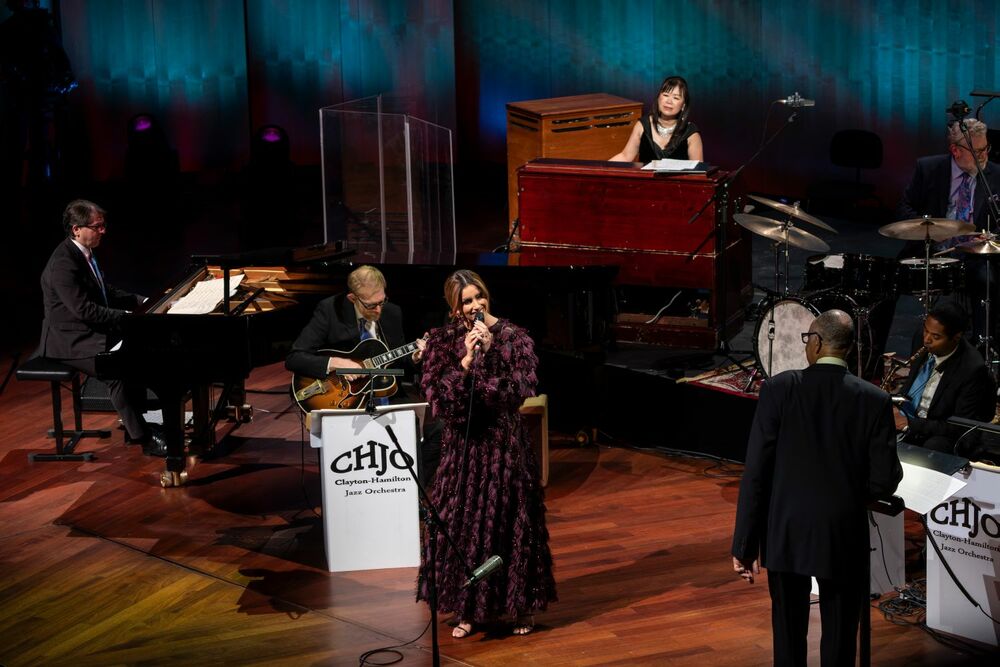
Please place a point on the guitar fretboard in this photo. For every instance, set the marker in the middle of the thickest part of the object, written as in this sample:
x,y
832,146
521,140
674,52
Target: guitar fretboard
x,y
391,356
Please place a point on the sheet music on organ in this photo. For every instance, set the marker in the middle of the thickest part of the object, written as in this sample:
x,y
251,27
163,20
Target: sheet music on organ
x,y
685,166
204,296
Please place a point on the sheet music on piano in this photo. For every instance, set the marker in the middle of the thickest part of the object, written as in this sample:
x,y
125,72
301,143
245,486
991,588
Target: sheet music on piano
x,y
205,296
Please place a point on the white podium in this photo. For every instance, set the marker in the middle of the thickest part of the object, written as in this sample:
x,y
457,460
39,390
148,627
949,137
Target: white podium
x,y
966,528
370,501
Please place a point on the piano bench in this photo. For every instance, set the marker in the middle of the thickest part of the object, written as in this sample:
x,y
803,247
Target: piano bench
x,y
41,369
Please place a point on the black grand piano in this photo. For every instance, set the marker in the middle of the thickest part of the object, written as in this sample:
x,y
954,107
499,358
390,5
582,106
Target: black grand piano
x,y
182,356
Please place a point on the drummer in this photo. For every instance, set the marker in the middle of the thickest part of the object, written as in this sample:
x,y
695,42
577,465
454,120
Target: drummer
x,y
945,186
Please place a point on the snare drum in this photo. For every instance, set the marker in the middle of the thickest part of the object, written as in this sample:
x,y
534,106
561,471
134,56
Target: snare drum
x,y
946,275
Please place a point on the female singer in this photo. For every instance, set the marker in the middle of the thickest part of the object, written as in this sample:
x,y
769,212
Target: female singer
x,y
477,371
666,133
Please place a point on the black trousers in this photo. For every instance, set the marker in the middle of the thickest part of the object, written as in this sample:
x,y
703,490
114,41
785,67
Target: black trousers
x,y
839,607
128,400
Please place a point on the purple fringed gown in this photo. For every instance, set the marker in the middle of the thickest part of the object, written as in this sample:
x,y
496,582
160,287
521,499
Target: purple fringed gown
x,y
492,503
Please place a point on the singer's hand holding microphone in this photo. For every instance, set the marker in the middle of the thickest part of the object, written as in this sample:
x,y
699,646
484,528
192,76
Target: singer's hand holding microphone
x,y
477,341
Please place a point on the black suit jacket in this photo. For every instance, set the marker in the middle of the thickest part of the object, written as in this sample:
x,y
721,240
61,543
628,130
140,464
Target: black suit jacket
x,y
928,190
334,325
965,390
821,445
77,322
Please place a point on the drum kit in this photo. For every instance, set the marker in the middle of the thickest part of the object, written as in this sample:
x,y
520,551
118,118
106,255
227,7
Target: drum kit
x,y
857,284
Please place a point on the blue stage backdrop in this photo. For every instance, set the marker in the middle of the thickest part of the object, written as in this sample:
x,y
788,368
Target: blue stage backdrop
x,y
212,70
890,66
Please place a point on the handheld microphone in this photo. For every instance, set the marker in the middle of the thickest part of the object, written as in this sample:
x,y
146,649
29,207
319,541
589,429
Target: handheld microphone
x,y
492,564
478,318
796,101
959,109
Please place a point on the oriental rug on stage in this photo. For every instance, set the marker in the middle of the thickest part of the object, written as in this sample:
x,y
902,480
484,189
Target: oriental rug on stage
x,y
738,379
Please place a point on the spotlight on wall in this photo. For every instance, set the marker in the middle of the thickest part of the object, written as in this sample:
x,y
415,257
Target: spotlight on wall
x,y
149,159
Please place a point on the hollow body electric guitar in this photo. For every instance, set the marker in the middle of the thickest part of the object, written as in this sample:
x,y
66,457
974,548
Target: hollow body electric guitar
x,y
335,392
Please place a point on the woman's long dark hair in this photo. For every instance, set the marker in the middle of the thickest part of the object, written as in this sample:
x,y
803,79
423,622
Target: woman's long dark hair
x,y
682,119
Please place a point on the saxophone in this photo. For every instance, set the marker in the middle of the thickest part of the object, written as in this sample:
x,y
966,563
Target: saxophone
x,y
893,366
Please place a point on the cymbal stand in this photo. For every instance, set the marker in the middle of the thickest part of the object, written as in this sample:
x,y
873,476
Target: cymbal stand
x,y
986,338
926,297
778,290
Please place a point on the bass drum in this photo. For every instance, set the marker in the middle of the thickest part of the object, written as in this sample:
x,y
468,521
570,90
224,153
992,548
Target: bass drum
x,y
781,349
777,339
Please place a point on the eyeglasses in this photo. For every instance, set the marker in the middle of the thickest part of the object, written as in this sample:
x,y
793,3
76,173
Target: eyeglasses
x,y
979,152
806,334
371,306
98,226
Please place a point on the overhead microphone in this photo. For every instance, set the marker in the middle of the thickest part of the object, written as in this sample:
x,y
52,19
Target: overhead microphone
x,y
959,109
796,101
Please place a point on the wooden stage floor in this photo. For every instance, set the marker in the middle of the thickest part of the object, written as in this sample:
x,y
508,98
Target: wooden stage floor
x,y
102,566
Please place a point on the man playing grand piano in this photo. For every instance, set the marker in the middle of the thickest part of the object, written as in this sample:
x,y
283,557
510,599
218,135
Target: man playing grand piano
x,y
82,312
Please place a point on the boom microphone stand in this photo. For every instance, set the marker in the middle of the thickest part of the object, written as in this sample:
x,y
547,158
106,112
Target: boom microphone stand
x,y
434,523
721,194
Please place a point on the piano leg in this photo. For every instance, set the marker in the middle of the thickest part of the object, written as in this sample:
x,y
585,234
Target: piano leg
x,y
172,403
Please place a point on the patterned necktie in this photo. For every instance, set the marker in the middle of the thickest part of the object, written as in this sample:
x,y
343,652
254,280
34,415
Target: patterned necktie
x,y
963,199
97,274
367,328
917,388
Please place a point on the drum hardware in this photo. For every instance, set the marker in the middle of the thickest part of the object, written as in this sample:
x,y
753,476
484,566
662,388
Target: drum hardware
x,y
784,234
987,246
926,229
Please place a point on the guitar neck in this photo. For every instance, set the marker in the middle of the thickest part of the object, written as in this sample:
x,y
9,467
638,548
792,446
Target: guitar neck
x,y
392,355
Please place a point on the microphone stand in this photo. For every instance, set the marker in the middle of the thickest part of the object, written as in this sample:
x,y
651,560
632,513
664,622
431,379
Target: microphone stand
x,y
721,194
433,523
505,248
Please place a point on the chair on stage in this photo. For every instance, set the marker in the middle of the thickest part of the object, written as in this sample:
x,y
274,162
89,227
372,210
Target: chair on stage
x,y
41,369
535,419
857,150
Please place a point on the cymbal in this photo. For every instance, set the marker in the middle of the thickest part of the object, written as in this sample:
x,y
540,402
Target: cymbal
x,y
793,211
777,231
987,244
940,229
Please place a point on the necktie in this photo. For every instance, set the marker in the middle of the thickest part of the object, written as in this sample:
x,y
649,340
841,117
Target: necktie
x,y
917,388
367,328
963,199
97,274
961,210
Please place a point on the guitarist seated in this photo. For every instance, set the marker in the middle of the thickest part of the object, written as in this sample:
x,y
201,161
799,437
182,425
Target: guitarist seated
x,y
341,325
341,322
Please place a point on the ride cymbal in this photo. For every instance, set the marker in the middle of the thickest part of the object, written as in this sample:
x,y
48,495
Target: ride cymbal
x,y
918,229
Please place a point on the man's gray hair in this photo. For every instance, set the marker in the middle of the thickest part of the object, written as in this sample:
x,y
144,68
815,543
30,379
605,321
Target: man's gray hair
x,y
976,128
836,328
